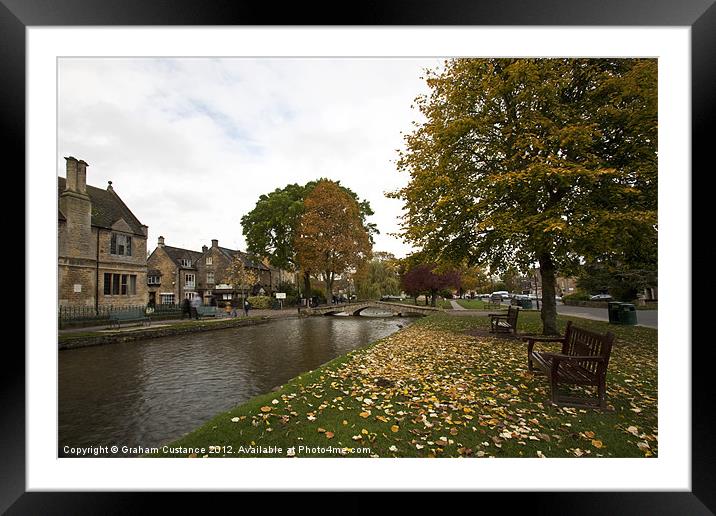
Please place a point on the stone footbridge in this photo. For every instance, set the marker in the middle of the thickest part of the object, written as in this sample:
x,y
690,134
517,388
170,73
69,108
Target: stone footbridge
x,y
357,307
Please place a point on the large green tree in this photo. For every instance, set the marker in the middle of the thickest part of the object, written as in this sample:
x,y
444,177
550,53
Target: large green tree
x,y
270,227
378,277
524,161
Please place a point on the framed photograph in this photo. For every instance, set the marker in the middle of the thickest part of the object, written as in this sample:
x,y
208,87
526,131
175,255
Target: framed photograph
x,y
181,63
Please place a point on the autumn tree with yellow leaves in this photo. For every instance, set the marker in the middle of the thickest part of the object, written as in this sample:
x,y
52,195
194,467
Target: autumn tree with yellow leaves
x,y
535,161
331,238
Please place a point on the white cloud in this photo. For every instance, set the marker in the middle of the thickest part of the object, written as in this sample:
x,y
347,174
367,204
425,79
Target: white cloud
x,y
190,144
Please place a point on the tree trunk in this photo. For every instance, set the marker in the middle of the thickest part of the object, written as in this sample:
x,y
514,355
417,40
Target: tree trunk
x,y
549,304
328,280
307,284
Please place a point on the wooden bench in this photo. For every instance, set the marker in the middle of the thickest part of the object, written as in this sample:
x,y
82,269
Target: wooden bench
x,y
583,361
207,311
495,301
131,315
505,323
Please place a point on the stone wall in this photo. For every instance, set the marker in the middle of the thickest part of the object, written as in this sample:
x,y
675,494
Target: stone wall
x,y
70,341
161,261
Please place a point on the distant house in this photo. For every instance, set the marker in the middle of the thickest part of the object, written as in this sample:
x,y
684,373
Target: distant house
x,y
102,246
213,276
176,273
173,274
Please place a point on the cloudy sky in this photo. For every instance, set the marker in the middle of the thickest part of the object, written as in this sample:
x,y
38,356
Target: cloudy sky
x,y
190,144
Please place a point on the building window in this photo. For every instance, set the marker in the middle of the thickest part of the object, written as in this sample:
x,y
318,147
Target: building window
x,y
120,284
185,262
154,280
209,260
226,297
166,299
189,281
120,245
210,277
189,295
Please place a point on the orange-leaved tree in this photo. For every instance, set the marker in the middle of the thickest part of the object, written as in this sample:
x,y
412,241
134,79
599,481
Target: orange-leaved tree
x,y
331,238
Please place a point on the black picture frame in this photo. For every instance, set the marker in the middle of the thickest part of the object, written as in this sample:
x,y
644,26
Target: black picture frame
x,y
699,15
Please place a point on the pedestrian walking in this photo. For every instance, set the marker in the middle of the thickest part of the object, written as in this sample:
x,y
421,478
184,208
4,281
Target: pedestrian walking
x,y
247,307
195,304
185,308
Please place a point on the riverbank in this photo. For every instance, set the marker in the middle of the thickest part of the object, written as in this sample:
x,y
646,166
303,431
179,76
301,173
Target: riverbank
x,y
434,390
77,338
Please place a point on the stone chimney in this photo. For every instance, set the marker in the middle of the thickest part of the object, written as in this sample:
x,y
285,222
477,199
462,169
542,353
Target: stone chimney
x,y
204,249
160,241
75,205
76,176
215,243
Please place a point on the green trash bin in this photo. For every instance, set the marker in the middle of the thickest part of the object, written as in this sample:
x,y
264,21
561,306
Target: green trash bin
x,y
627,314
614,308
526,304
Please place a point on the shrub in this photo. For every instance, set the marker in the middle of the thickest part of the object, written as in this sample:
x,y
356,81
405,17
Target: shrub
x,y
446,293
260,301
577,296
317,292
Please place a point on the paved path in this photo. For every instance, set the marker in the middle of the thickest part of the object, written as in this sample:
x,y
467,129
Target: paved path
x,y
456,305
648,318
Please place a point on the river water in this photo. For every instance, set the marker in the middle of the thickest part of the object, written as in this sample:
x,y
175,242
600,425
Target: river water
x,y
147,393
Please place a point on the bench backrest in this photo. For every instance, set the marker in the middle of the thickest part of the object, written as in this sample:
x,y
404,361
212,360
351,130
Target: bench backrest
x,y
581,342
512,313
123,315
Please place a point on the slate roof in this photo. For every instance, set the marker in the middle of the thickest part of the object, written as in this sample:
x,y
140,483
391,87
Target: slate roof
x,y
107,208
177,254
249,260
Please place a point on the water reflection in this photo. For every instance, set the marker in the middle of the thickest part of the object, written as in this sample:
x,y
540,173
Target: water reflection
x,y
147,393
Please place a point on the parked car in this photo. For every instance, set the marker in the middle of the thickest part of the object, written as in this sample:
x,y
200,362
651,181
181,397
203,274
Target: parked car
x,y
600,297
503,293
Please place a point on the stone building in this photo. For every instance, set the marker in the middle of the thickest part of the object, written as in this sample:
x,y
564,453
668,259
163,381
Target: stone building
x,y
212,273
173,274
102,246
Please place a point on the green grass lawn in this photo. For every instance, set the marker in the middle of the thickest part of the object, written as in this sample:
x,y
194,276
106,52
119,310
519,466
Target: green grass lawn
x,y
474,304
431,390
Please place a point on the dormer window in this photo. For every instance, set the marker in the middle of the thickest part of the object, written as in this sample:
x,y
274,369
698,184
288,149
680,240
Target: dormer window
x,y
185,262
120,245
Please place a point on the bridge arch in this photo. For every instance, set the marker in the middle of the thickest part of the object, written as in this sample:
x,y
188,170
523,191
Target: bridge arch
x,y
356,309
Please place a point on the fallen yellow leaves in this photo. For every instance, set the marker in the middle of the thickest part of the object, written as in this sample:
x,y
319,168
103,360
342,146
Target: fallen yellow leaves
x,y
456,395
